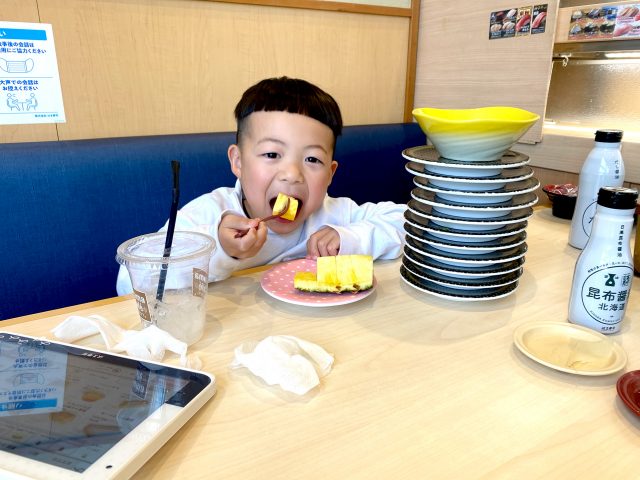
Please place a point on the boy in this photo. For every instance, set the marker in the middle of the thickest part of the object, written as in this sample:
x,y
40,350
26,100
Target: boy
x,y
286,135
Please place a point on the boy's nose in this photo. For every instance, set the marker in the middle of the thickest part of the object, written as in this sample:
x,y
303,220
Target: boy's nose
x,y
291,173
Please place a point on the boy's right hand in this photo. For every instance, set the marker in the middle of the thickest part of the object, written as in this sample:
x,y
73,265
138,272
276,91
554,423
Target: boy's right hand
x,y
246,246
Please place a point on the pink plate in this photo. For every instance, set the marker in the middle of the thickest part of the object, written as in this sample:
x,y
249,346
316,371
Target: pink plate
x,y
278,282
628,387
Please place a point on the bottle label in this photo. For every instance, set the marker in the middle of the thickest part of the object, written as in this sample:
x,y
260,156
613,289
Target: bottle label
x,y
587,217
605,292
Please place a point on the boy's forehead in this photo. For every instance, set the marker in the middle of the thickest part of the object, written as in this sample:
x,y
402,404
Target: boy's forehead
x,y
266,122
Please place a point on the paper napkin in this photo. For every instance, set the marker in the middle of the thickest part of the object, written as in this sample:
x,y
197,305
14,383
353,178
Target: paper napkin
x,y
150,343
295,364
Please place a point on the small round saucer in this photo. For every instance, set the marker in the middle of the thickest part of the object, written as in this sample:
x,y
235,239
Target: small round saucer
x,y
491,196
465,210
456,282
457,259
428,155
465,272
478,184
447,171
462,247
455,293
477,224
455,234
570,348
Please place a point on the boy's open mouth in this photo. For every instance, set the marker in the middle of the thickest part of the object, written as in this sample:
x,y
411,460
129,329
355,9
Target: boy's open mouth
x,y
300,203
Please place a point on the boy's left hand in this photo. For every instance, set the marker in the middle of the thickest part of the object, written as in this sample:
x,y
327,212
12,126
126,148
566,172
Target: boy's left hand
x,y
325,242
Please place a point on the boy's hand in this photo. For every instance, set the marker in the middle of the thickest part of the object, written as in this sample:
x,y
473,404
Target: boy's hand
x,y
246,246
325,242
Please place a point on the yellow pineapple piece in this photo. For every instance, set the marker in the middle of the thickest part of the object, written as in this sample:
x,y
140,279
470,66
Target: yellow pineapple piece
x,y
327,274
344,272
305,281
341,273
363,271
292,210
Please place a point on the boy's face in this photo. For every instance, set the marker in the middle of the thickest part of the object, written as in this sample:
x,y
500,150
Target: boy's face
x,y
283,152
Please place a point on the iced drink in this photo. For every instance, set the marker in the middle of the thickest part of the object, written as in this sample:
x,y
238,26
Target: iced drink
x,y
170,291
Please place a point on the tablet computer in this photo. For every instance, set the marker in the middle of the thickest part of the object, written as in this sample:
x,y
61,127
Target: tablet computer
x,y
69,412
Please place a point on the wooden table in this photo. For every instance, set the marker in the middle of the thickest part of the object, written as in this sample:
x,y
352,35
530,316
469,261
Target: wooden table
x,y
421,387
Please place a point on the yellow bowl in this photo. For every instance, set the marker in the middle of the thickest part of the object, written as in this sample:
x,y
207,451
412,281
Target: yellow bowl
x,y
474,134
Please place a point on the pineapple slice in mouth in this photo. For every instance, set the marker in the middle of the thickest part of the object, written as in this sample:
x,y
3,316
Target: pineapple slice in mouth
x,y
293,210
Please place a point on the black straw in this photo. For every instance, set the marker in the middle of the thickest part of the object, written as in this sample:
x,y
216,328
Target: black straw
x,y
175,166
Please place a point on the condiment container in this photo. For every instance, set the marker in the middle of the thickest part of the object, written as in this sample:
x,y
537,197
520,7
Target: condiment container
x,y
604,270
602,167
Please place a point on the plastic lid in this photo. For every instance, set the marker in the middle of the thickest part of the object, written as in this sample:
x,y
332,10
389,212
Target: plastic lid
x,y
609,136
149,249
619,198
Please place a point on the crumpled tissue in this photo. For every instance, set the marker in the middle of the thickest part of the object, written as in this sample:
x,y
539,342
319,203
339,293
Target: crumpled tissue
x,y
295,364
150,343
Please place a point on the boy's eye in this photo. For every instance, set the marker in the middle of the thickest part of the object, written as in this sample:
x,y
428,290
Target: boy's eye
x,y
271,155
313,160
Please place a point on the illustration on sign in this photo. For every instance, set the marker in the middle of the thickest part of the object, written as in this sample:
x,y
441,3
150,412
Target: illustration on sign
x,y
29,81
31,378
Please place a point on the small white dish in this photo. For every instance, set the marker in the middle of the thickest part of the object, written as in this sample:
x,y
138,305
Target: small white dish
x,y
570,348
455,294
479,197
473,210
455,234
451,171
466,272
461,260
463,247
458,283
478,225
428,155
475,184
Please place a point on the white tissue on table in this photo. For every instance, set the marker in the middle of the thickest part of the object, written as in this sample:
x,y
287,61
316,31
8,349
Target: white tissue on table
x,y
294,364
150,343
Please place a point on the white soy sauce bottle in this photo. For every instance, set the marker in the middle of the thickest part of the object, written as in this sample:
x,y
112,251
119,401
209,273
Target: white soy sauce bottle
x,y
602,167
604,270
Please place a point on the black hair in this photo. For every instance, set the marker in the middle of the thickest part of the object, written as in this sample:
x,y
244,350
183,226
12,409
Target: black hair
x,y
284,94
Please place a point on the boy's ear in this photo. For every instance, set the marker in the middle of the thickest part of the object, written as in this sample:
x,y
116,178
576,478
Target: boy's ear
x,y
233,152
334,167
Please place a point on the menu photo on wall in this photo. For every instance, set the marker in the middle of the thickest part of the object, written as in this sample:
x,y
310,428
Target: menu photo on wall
x,y
29,80
605,22
518,21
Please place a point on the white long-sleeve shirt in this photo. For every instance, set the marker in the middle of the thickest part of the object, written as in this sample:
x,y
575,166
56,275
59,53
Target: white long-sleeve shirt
x,y
375,229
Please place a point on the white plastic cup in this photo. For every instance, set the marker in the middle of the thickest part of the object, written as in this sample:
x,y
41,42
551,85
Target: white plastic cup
x,y
180,308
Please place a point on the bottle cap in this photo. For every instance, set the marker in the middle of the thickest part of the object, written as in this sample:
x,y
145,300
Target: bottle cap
x,y
619,198
609,136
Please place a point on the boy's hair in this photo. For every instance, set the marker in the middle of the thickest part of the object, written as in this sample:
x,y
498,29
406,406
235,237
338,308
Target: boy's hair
x,y
291,95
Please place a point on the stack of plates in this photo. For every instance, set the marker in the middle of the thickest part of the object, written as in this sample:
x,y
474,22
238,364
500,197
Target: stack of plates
x,y
465,224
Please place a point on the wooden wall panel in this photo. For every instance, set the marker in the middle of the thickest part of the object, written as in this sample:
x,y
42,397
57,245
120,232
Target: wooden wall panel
x,y
459,67
140,67
23,11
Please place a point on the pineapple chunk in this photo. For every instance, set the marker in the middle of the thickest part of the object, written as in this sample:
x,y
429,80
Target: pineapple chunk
x,y
363,270
291,211
305,281
341,273
327,274
344,272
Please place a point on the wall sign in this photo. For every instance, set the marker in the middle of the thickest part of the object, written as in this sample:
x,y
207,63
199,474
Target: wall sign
x,y
606,22
29,80
518,21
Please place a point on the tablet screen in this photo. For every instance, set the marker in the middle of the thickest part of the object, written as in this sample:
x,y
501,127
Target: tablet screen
x,y
67,406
